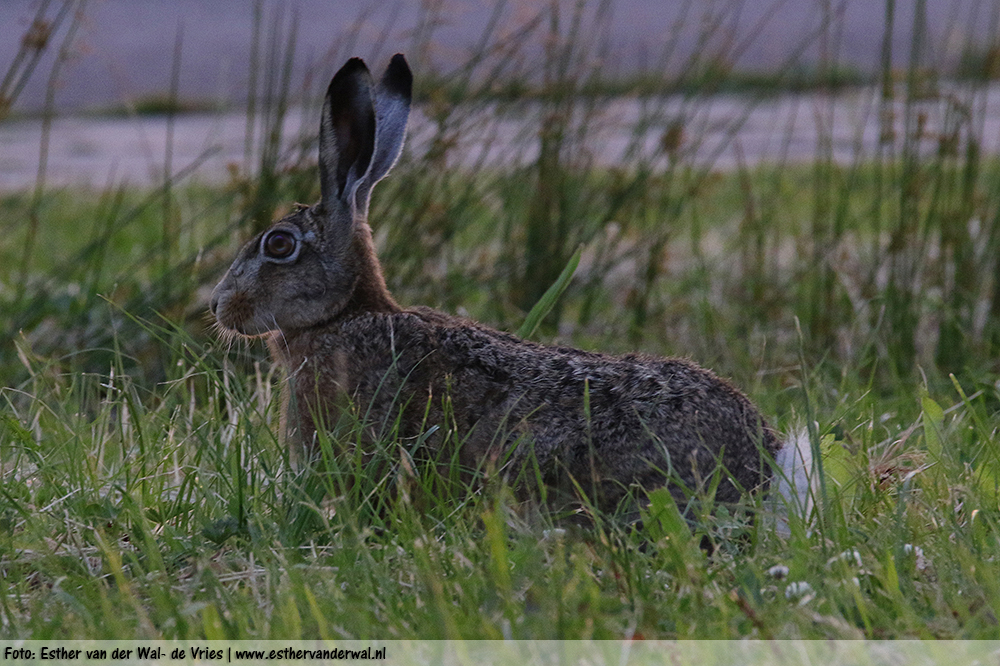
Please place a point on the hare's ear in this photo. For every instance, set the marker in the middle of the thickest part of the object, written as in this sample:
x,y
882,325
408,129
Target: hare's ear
x,y
346,135
392,109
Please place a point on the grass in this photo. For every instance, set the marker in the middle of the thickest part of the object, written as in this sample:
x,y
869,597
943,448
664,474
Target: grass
x,y
144,492
174,513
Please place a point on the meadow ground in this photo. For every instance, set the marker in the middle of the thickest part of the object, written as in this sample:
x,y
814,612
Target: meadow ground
x,y
145,492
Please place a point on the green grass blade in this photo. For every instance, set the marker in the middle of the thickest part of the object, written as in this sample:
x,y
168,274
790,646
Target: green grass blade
x,y
549,298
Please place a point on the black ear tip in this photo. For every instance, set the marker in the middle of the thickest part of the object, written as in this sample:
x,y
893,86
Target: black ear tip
x,y
352,66
351,69
398,76
352,76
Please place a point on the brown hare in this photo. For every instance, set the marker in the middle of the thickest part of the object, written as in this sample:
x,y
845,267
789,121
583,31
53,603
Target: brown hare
x,y
312,286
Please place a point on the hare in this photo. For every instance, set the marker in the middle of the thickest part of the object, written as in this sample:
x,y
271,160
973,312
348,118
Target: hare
x,y
311,285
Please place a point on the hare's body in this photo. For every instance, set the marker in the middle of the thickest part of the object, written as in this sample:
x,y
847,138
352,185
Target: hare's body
x,y
582,421
515,402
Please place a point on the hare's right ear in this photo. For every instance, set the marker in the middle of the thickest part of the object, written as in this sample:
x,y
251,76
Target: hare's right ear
x,y
346,136
392,110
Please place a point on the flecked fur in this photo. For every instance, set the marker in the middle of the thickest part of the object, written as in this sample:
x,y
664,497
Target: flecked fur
x,y
345,343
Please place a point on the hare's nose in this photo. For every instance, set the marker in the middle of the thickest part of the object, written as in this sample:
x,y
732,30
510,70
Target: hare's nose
x,y
213,304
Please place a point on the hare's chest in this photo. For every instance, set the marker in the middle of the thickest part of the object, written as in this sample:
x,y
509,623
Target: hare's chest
x,y
350,369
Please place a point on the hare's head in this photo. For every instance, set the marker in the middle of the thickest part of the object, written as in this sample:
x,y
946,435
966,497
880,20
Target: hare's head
x,y
307,267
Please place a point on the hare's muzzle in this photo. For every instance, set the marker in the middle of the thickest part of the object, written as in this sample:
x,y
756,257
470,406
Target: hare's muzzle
x,y
228,306
236,310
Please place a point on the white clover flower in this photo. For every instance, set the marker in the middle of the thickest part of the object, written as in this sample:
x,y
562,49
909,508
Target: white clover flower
x,y
850,556
798,589
916,552
778,571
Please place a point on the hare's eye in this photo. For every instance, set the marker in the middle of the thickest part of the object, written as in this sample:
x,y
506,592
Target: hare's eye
x,y
279,244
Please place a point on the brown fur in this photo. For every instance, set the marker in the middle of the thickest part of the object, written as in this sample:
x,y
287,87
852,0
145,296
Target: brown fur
x,y
521,406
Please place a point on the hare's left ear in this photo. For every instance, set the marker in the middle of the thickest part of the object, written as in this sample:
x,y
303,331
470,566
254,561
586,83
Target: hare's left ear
x,y
346,136
392,109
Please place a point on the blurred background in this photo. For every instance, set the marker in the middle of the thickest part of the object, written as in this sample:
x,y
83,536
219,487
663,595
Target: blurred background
x,y
121,58
122,51
748,181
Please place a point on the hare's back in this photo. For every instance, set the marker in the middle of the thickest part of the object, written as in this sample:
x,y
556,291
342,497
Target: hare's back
x,y
628,418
